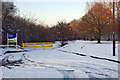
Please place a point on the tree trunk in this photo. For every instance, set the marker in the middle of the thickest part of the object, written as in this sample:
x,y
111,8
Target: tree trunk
x,y
98,41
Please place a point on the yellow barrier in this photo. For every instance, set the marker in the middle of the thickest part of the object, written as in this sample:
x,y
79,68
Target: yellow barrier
x,y
37,44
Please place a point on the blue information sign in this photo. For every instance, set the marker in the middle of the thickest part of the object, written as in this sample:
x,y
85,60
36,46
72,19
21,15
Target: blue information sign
x,y
12,35
12,38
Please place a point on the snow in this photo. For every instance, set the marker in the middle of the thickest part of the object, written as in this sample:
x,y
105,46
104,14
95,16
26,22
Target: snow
x,y
0,64
53,63
37,73
104,50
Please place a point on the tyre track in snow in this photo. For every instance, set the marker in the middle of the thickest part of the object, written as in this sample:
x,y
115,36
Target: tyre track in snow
x,y
28,62
70,73
87,70
85,67
67,73
89,73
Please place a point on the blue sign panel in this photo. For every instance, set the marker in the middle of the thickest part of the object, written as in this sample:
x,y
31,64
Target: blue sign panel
x,y
12,38
12,35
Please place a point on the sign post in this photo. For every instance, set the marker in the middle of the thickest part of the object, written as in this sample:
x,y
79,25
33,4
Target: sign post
x,y
12,38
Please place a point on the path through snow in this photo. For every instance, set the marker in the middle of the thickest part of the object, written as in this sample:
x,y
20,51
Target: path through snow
x,y
52,63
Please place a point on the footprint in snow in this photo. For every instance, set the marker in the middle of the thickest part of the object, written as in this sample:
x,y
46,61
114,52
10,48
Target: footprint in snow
x,y
82,47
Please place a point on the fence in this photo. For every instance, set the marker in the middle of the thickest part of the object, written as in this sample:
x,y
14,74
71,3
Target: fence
x,y
38,44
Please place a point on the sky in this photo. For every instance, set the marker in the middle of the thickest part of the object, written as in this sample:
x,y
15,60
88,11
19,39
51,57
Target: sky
x,y
50,13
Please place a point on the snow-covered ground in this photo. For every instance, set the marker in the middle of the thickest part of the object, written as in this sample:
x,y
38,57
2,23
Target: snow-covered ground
x,y
55,63
104,50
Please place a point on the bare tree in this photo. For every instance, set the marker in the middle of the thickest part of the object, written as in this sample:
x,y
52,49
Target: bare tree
x,y
98,20
8,10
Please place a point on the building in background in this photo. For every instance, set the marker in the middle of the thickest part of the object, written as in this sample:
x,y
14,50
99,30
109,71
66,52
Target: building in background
x,y
119,22
0,23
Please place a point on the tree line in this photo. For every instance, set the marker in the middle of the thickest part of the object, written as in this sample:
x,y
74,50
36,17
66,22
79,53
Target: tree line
x,y
96,24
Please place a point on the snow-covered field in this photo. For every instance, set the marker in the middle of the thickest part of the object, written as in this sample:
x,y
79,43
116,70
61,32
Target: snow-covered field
x,y
61,63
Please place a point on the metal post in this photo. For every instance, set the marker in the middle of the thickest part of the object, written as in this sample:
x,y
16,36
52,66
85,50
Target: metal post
x,y
7,41
113,27
113,44
16,41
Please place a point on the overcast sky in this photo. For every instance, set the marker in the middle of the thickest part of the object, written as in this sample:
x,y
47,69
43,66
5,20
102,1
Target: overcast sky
x,y
51,11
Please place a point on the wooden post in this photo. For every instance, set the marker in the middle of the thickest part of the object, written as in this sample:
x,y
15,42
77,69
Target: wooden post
x,y
44,46
52,44
34,47
23,45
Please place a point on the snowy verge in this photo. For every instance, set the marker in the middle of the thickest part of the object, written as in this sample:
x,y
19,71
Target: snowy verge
x,y
91,48
102,58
